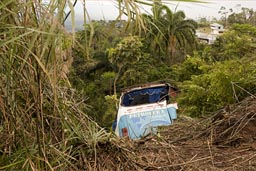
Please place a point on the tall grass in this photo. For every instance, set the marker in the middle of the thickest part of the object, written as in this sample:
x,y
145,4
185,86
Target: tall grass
x,y
42,126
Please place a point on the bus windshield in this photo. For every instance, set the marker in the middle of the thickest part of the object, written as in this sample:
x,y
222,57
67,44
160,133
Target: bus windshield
x,y
145,96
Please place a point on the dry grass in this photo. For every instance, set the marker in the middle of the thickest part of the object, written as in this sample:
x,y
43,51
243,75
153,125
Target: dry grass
x,y
225,141
41,120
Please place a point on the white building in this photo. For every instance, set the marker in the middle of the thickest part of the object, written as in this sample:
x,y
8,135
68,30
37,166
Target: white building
x,y
216,30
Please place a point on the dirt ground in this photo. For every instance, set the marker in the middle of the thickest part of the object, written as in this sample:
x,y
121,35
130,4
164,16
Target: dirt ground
x,y
226,141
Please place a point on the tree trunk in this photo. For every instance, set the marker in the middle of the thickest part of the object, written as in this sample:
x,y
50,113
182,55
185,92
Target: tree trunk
x,y
116,78
172,49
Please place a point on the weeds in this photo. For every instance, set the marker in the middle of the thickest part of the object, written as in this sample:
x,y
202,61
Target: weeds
x,y
41,122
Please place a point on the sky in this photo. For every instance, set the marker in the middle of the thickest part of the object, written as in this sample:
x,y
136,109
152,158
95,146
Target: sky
x,y
100,9
107,10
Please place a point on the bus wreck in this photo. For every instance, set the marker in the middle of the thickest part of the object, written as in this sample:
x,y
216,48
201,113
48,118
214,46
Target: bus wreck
x,y
143,108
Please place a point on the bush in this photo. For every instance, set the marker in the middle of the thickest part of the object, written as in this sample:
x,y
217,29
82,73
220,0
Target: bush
x,y
191,66
224,83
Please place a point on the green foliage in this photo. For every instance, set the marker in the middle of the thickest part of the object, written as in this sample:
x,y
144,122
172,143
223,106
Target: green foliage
x,y
110,110
191,66
107,79
244,29
139,72
236,43
215,88
126,52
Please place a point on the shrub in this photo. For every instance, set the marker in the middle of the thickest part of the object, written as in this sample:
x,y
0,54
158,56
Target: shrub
x,y
225,83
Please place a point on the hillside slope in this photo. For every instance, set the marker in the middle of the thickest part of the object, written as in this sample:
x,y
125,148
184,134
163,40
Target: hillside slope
x,y
225,141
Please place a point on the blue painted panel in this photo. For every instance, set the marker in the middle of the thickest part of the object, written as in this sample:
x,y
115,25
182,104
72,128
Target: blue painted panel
x,y
142,123
172,112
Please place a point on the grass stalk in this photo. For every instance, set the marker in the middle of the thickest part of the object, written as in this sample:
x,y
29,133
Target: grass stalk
x,y
37,105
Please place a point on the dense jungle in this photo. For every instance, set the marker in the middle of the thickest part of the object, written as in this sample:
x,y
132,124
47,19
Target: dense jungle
x,y
59,88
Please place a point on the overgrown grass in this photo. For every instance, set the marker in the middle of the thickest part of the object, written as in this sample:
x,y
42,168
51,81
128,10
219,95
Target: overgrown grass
x,y
42,126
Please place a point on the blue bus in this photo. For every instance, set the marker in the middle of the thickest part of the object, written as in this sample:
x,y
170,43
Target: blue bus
x,y
143,108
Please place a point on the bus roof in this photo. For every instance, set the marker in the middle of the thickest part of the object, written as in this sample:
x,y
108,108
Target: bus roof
x,y
147,85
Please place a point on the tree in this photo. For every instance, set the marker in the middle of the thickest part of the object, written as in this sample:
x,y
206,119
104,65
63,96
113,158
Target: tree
x,y
180,32
127,52
246,16
169,31
91,37
224,12
154,33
